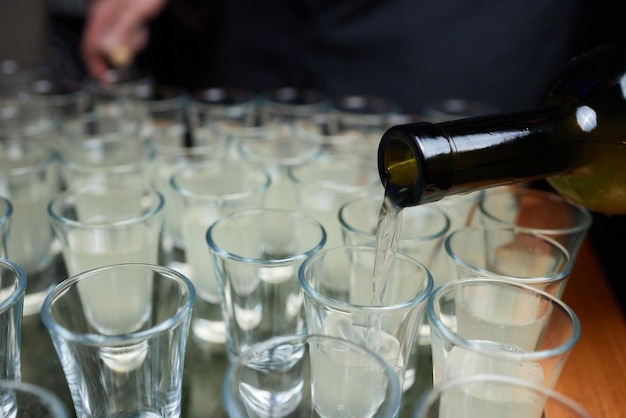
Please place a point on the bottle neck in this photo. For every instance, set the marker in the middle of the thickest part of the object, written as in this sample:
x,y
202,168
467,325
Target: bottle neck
x,y
424,162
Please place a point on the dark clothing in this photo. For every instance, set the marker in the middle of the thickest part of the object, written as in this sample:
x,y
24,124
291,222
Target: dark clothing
x,y
413,51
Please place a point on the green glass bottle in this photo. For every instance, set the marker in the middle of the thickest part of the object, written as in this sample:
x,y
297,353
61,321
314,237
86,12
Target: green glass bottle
x,y
575,138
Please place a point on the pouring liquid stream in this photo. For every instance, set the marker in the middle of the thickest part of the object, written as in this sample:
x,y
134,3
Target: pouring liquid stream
x,y
387,236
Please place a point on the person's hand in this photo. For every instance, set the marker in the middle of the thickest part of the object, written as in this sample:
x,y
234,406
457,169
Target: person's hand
x,y
114,32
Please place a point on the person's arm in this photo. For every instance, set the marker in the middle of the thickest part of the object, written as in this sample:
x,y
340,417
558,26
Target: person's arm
x,y
115,31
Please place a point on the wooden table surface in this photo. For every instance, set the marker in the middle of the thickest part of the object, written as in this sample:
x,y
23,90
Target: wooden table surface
x,y
595,373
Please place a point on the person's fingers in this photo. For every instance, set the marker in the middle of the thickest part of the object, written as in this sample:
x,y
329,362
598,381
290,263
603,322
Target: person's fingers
x,y
116,30
101,17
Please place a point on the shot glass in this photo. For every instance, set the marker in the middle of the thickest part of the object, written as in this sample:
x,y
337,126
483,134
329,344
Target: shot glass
x,y
179,142
510,253
54,101
461,208
325,183
12,288
6,210
537,211
29,179
224,115
291,106
123,352
345,297
369,116
313,376
106,159
486,395
99,225
103,113
277,152
206,192
320,128
496,326
256,255
423,230
25,400
161,110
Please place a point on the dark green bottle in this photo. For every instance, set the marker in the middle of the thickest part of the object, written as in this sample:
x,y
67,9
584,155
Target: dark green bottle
x,y
576,139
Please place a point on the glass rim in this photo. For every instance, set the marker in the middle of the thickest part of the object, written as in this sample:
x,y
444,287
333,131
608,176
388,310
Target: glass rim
x,y
562,274
97,340
353,104
8,210
156,207
216,249
58,91
46,159
48,398
128,128
454,338
147,94
20,278
147,147
282,98
401,240
348,307
199,166
352,161
313,150
209,98
586,215
430,397
305,339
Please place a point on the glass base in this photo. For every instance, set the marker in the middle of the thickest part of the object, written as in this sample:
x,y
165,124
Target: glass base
x,y
207,327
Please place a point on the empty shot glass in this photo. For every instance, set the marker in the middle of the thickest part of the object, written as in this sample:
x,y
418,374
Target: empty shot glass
x,y
344,297
26,400
487,395
313,376
498,326
12,288
256,256
122,354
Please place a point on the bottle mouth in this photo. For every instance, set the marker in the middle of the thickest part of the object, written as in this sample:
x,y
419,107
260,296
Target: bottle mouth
x,y
398,169
416,163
